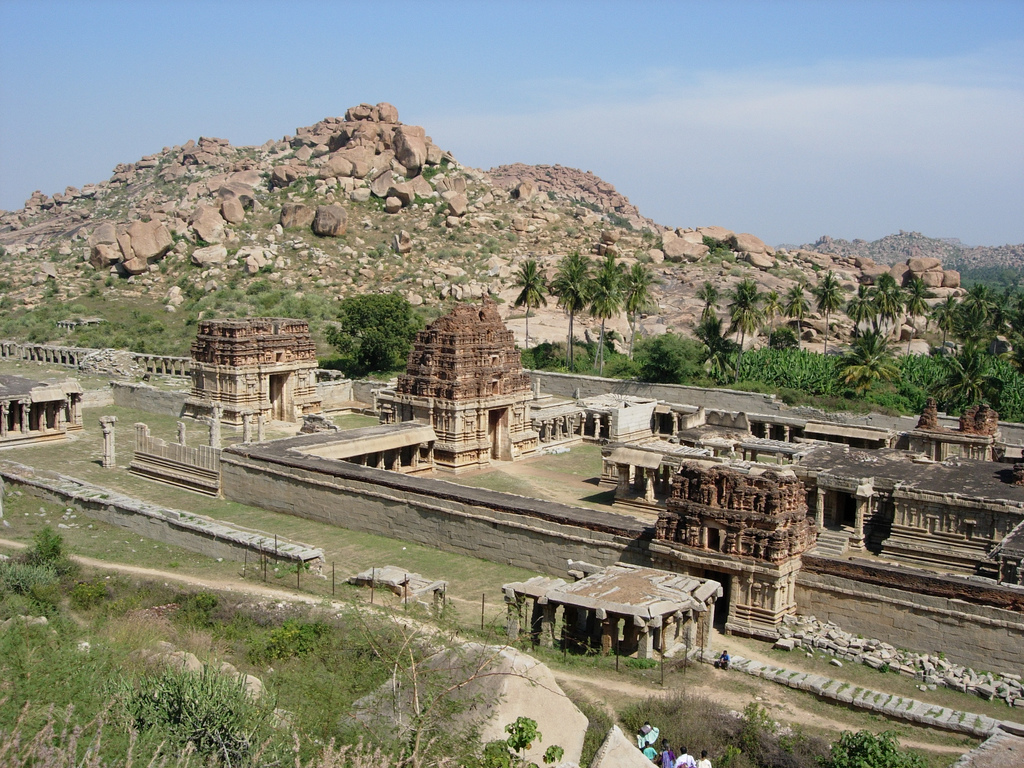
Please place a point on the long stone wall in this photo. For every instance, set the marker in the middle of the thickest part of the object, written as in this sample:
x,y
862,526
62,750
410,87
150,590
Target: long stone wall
x,y
195,533
500,527
143,397
910,610
334,395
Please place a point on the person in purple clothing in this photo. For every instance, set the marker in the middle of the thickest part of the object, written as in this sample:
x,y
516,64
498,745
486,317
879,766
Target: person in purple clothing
x,y
668,757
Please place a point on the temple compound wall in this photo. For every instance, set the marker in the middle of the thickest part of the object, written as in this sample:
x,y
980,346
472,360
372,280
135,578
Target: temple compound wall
x,y
255,368
744,529
465,379
33,411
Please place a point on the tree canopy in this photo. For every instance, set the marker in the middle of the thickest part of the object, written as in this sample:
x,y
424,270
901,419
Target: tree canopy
x,y
374,333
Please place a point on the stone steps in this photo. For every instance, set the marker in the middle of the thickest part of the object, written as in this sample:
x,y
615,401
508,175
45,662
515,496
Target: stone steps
x,y
832,543
887,704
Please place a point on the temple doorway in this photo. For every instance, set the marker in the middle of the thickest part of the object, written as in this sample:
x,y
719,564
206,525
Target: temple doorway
x,y
722,603
278,397
497,434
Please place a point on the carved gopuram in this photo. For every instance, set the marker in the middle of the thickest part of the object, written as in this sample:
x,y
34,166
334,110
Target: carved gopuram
x,y
34,411
975,439
744,527
260,368
465,379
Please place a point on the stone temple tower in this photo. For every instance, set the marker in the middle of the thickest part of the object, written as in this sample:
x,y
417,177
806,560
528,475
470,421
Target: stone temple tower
x,y
465,378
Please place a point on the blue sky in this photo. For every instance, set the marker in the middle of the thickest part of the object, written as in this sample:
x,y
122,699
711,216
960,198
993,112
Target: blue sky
x,y
789,120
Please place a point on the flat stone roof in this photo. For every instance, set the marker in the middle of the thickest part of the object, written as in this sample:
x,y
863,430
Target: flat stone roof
x,y
373,439
625,590
960,477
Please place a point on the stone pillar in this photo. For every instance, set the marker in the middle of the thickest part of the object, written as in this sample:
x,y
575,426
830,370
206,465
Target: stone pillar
x,y
623,485
3,419
536,389
181,433
24,416
514,618
863,495
107,425
819,508
645,643
609,627
547,625
261,427
649,485
214,422
785,433
246,427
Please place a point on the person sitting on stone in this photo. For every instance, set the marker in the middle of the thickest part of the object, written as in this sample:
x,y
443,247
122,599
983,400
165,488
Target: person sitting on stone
x,y
722,662
685,759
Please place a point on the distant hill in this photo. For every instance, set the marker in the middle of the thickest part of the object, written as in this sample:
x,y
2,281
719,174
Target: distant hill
x,y
989,263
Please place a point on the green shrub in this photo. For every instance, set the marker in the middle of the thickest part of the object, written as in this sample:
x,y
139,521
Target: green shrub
x,y
211,711
25,578
48,550
88,594
197,609
293,638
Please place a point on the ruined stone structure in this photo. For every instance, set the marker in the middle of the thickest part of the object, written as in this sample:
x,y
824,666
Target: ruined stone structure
x,y
253,368
625,609
975,439
33,411
947,515
465,379
748,527
194,469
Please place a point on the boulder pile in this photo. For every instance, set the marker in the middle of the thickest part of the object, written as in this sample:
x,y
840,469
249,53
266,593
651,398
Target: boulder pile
x,y
931,669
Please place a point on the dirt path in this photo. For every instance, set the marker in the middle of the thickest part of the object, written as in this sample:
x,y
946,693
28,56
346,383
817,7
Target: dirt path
x,y
599,689
782,700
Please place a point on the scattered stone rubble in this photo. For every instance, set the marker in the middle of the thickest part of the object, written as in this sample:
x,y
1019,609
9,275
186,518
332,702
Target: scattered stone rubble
x,y
933,670
111,362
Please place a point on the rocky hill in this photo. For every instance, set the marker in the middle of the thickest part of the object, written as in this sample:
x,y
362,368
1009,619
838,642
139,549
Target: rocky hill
x,y
893,249
366,203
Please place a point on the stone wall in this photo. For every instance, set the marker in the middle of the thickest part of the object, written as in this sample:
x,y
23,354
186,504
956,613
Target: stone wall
x,y
908,613
143,397
434,513
334,395
195,533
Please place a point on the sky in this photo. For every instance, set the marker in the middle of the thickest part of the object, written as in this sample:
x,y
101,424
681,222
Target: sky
x,y
788,120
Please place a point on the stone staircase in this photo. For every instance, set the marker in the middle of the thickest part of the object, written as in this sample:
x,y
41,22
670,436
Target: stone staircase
x,y
833,542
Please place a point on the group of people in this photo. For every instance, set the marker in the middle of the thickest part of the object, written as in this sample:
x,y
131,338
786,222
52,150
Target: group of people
x,y
647,738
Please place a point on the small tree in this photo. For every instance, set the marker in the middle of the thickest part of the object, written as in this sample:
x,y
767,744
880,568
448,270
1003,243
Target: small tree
x,y
796,308
745,314
533,286
606,299
637,296
572,287
829,294
915,304
375,331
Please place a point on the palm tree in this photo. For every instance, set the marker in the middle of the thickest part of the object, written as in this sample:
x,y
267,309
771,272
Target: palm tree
x,y
868,361
718,349
915,304
975,314
888,299
572,287
532,296
710,295
637,296
945,315
772,309
861,308
796,308
606,298
968,378
829,294
745,314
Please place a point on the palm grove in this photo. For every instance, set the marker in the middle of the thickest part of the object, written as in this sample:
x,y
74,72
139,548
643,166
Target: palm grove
x,y
977,356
